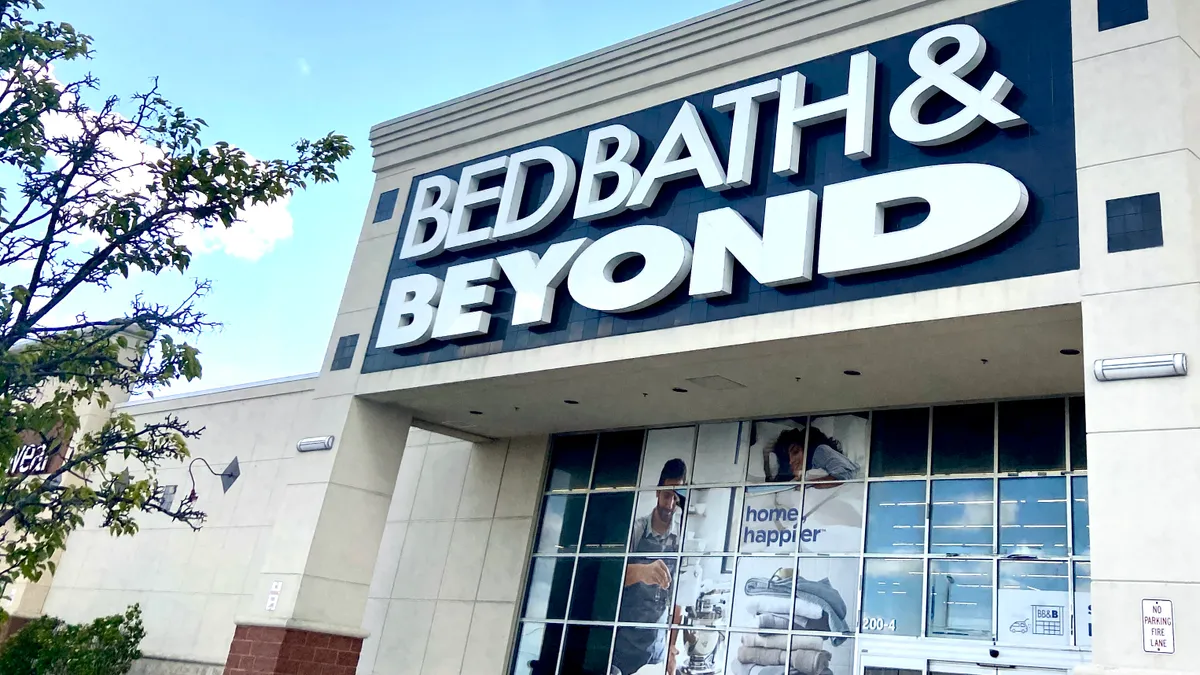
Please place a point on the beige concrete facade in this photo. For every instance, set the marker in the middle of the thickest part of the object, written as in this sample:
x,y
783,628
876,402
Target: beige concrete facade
x,y
419,541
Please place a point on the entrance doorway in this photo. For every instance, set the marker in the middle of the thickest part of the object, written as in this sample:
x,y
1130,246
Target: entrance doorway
x,y
908,667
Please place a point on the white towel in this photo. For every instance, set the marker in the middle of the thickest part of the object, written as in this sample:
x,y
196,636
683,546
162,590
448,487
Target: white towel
x,y
769,604
768,641
810,642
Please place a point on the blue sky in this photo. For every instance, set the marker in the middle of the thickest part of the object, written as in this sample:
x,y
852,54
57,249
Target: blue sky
x,y
264,73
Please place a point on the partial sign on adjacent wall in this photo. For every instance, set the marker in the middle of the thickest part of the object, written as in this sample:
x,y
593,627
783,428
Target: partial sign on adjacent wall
x,y
1158,627
938,158
38,454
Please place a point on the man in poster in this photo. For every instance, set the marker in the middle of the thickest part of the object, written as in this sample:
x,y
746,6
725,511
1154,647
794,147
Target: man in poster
x,y
647,594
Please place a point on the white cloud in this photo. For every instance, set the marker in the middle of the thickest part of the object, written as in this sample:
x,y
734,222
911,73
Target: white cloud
x,y
261,226
303,67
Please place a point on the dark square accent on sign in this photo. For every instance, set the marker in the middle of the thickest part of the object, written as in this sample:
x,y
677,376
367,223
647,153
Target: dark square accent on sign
x,y
1117,13
344,354
386,206
1134,223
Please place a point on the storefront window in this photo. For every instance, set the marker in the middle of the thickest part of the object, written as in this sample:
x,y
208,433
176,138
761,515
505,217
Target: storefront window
x,y
891,603
961,517
960,598
896,517
737,547
1033,517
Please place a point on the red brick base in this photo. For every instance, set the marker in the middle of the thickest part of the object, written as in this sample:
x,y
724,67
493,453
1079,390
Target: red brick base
x,y
259,650
12,626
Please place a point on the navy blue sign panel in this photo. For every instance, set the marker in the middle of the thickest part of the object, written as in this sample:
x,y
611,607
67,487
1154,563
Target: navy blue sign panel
x,y
1027,41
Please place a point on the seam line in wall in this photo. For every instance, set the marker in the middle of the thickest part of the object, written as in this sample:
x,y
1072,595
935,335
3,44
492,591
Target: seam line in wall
x,y
1138,46
1135,431
1147,156
388,495
1139,288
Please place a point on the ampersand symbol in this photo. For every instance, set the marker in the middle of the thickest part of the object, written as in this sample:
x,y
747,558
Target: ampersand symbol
x,y
978,104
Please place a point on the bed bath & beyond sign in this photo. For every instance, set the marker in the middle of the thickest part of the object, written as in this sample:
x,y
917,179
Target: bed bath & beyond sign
x,y
969,203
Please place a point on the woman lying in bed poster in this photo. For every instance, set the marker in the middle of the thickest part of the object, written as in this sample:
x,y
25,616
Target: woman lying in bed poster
x,y
823,463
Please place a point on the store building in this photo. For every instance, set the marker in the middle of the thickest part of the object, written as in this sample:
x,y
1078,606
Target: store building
x,y
806,336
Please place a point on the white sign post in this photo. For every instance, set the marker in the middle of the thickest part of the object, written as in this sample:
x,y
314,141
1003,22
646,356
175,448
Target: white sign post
x,y
1158,627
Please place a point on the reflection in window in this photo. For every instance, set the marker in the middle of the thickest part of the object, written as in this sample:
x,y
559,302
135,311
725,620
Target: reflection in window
x,y
896,517
961,517
607,526
1033,604
549,585
1083,604
1032,435
585,651
1033,517
597,583
960,598
900,442
1081,531
963,440
891,603
618,455
571,462
562,516
537,649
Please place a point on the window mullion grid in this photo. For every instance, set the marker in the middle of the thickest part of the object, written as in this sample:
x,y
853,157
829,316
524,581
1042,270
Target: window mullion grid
x,y
925,554
587,500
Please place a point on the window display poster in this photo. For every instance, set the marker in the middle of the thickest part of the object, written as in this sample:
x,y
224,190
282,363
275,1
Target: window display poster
x,y
1033,604
712,520
828,448
770,593
769,654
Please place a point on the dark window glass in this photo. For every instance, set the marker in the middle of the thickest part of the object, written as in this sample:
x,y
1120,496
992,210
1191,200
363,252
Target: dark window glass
x,y
617,459
1078,434
537,649
1032,435
1116,13
900,442
586,650
571,462
960,598
549,585
597,583
386,206
1081,523
891,602
961,517
963,438
607,526
562,516
896,519
1033,517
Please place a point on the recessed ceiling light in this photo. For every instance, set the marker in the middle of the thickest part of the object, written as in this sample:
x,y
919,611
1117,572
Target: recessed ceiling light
x,y
851,372
679,390
570,402
476,412
716,382
1069,352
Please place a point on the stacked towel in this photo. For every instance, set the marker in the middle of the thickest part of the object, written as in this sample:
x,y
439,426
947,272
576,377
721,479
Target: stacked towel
x,y
804,656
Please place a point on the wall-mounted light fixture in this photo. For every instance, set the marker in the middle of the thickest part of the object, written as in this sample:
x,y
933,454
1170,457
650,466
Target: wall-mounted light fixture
x,y
1139,367
228,476
315,444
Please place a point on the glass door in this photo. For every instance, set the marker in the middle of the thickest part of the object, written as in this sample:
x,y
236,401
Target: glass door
x,y
956,668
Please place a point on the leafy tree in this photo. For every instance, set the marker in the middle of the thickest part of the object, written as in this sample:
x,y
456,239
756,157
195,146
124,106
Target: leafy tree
x,y
90,194
48,646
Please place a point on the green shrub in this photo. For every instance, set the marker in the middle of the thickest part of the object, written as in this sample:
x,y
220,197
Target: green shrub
x,y
49,646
